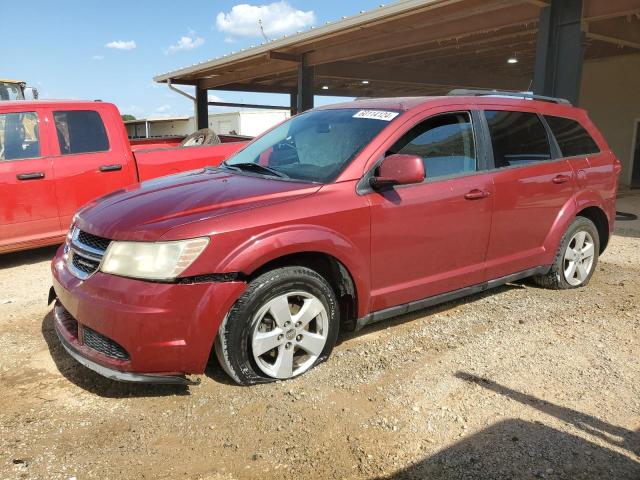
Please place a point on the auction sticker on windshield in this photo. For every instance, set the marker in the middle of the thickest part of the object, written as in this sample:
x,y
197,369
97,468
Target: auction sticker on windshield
x,y
376,115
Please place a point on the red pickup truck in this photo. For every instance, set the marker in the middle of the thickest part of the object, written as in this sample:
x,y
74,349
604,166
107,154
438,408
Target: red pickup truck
x,y
55,156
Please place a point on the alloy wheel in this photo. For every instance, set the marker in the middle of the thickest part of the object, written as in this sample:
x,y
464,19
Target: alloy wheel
x,y
578,258
289,333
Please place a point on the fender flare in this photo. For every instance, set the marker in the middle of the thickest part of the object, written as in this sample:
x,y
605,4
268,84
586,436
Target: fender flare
x,y
578,202
270,245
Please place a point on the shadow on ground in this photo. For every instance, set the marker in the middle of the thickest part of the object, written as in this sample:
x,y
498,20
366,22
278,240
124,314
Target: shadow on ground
x,y
519,449
91,381
27,257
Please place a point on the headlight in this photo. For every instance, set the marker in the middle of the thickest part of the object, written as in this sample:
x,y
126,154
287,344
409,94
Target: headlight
x,y
152,260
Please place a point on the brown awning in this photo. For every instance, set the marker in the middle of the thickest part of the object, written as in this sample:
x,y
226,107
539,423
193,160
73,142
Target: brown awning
x,y
415,47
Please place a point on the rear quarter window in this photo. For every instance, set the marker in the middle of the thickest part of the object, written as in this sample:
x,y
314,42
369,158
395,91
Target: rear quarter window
x,y
572,138
80,131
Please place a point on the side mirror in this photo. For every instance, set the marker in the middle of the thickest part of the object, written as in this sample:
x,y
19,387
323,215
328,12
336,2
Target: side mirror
x,y
399,169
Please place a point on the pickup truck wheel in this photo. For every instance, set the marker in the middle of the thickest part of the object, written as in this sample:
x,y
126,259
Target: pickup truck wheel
x,y
576,258
204,136
285,323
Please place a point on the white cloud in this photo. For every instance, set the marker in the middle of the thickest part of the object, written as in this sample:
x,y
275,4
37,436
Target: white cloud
x,y
163,108
122,44
187,42
277,18
97,57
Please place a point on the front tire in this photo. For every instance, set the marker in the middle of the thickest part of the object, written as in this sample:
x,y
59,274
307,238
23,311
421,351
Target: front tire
x,y
283,325
576,258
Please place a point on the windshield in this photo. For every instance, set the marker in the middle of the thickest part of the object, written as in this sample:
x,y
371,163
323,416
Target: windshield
x,y
314,146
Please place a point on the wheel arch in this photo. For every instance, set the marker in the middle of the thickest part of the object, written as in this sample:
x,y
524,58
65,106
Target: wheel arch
x,y
332,270
332,255
588,204
600,220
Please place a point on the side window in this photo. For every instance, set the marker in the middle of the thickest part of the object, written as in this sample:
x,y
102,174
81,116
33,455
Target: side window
x,y
19,136
445,143
572,138
80,131
518,138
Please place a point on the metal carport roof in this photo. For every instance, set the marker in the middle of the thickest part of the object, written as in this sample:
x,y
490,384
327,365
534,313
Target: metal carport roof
x,y
414,47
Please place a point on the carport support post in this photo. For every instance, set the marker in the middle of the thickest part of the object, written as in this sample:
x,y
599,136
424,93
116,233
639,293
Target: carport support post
x,y
293,103
202,108
305,86
559,51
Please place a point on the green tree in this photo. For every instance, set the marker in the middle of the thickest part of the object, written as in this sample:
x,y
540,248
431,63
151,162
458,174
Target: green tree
x,y
126,117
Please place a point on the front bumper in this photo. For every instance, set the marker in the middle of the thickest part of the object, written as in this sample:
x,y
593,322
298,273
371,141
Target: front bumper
x,y
112,373
150,331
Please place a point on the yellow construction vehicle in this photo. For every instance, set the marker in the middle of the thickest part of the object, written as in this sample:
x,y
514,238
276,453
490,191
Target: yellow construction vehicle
x,y
15,90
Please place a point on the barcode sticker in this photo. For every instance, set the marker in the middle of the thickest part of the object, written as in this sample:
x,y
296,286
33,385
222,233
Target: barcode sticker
x,y
376,115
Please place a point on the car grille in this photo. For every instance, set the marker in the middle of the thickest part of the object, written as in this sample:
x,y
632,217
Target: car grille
x,y
84,264
102,344
84,252
94,241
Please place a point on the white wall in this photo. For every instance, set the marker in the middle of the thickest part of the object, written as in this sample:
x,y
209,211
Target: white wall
x,y
245,122
161,128
170,128
254,123
225,123
610,92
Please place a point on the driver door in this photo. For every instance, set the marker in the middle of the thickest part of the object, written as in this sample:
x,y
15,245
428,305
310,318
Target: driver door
x,y
430,238
28,207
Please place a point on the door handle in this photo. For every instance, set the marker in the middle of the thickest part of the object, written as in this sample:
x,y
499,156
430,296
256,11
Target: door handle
x,y
561,179
476,194
110,168
30,176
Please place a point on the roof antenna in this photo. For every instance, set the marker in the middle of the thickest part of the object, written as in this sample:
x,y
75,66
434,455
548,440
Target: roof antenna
x,y
266,39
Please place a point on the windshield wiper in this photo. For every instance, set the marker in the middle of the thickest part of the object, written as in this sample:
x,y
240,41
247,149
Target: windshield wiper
x,y
254,167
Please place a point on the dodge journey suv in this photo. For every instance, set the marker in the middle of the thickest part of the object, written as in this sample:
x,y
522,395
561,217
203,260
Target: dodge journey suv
x,y
339,217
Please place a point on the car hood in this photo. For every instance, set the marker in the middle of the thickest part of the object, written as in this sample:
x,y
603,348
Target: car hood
x,y
145,211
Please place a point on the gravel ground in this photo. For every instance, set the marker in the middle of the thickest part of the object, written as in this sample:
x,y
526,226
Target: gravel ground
x,y
518,382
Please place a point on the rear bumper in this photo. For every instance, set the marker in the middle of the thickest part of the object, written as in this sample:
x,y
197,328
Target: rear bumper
x,y
134,330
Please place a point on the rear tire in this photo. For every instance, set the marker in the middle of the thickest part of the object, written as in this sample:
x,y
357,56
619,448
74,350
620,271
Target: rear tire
x,y
204,136
576,258
282,326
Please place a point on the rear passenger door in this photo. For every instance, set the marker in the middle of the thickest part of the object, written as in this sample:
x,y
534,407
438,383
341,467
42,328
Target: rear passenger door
x,y
28,210
531,186
86,166
430,238
594,169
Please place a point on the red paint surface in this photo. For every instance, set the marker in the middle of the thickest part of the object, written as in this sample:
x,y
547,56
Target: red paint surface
x,y
398,245
38,212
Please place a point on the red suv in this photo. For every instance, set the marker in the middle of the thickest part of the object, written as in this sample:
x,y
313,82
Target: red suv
x,y
339,217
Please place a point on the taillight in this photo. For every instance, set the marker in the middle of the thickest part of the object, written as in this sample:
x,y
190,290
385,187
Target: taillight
x,y
617,166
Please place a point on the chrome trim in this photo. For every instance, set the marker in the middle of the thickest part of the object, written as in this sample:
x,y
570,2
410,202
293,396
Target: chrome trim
x,y
86,249
73,247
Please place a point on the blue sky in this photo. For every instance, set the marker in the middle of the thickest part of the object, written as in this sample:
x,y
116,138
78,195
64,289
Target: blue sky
x,y
61,47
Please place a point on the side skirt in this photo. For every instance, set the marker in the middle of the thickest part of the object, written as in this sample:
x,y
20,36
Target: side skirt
x,y
390,312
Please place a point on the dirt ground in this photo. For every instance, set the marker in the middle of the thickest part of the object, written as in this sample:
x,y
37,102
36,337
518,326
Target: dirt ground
x,y
518,382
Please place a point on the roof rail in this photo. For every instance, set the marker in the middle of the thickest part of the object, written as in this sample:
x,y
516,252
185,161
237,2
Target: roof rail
x,y
504,93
